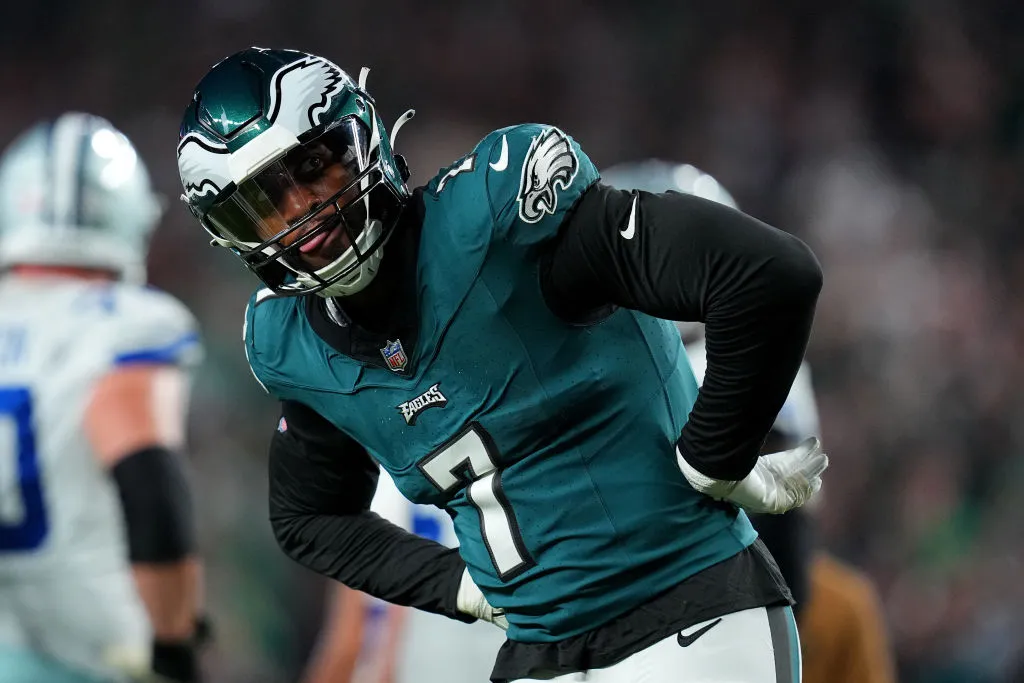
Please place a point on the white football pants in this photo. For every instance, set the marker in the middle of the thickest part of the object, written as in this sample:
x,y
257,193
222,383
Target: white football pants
x,y
757,645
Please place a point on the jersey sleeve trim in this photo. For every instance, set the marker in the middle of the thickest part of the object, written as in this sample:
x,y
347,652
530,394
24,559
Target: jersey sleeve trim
x,y
173,353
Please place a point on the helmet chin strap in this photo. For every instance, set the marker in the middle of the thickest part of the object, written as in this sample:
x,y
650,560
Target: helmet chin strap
x,y
335,313
363,275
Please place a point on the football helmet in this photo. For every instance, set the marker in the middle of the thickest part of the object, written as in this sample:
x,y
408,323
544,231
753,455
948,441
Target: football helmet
x,y
285,161
73,192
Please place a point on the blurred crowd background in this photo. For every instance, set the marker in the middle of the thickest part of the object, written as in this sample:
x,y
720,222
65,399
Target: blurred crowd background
x,y
889,134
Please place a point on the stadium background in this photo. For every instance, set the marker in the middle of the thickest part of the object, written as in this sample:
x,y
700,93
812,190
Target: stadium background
x,y
889,134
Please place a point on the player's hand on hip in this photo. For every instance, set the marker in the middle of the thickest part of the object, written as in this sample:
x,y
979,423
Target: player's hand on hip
x,y
471,601
779,481
782,481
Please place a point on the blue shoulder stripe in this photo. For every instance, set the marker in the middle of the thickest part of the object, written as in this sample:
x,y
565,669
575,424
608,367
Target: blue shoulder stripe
x,y
169,354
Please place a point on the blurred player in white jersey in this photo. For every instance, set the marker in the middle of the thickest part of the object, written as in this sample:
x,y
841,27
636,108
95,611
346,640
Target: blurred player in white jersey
x,y
99,580
369,641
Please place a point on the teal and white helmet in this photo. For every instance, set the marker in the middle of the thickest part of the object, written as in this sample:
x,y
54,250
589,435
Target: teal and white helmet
x,y
285,161
653,175
73,192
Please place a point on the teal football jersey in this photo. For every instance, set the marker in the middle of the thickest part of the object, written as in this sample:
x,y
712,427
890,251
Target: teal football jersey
x,y
551,444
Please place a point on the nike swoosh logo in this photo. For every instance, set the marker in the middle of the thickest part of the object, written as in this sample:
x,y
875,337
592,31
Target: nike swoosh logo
x,y
502,163
631,225
688,640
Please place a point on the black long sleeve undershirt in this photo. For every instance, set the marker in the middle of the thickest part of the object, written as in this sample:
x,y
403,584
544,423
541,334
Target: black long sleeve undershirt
x,y
321,485
753,286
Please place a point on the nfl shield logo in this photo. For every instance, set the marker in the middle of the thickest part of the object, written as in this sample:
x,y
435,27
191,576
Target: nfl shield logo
x,y
394,355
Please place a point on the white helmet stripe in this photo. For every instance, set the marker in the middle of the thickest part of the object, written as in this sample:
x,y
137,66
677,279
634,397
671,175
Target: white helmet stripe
x,y
66,156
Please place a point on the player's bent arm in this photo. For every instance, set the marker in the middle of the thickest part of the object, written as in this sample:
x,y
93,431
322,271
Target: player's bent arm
x,y
321,485
680,257
135,423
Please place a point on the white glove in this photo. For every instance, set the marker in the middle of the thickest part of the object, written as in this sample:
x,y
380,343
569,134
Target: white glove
x,y
779,481
472,602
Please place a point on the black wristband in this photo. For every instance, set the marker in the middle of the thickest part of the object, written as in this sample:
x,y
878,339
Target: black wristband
x,y
176,661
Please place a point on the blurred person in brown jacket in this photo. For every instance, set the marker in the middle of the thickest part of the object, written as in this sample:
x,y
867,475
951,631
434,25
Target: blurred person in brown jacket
x,y
843,627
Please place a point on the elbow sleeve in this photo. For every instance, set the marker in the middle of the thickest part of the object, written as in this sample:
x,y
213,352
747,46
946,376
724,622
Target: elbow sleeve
x,y
157,505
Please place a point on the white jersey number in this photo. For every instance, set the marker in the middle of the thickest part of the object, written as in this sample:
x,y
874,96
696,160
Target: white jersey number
x,y
470,456
23,521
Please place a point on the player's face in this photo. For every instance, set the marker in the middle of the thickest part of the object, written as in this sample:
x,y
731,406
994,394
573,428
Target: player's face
x,y
318,176
307,204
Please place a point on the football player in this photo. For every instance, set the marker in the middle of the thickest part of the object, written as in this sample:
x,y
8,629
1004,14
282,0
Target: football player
x,y
507,360
842,628
99,577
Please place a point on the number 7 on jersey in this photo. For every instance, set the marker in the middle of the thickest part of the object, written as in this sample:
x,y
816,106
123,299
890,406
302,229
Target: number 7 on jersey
x,y
471,456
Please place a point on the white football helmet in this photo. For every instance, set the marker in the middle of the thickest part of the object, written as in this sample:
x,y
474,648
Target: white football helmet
x,y
73,192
